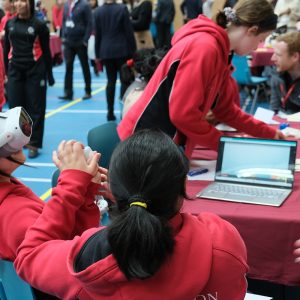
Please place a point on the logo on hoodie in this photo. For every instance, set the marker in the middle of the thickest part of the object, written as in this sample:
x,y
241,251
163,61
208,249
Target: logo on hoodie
x,y
208,296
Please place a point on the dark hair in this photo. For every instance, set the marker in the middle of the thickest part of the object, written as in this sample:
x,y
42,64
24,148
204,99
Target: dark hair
x,y
15,161
145,62
249,13
150,168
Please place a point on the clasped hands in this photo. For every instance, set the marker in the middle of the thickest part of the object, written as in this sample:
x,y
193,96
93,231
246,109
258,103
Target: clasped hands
x,y
70,155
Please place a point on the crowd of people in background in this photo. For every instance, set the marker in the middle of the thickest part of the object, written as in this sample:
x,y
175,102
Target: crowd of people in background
x,y
87,31
149,244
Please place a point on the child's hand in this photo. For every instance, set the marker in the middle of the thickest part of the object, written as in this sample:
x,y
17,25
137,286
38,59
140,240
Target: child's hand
x,y
101,179
70,155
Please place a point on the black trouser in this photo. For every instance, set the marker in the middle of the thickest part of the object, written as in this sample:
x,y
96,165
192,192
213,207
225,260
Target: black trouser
x,y
112,67
28,88
163,35
69,55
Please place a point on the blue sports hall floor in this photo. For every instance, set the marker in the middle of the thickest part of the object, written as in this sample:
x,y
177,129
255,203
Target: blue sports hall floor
x,y
65,120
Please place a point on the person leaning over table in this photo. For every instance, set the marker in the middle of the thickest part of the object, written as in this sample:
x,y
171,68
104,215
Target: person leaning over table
x,y
150,250
195,76
285,81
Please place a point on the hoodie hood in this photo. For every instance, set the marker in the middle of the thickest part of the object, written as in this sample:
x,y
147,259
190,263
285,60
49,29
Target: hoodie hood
x,y
14,189
203,25
193,252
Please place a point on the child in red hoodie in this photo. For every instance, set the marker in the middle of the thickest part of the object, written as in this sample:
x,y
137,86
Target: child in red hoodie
x,y
150,250
20,207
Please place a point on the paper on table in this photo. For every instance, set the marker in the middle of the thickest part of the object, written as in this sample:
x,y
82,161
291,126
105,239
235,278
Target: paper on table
x,y
256,297
265,115
294,117
224,127
282,115
209,164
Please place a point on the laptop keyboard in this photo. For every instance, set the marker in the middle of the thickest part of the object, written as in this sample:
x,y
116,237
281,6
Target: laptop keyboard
x,y
244,193
247,191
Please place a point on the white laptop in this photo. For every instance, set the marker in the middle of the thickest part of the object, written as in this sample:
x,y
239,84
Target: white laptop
x,y
252,170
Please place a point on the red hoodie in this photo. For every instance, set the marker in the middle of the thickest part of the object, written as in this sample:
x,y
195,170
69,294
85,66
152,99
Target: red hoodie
x,y
209,260
20,207
193,78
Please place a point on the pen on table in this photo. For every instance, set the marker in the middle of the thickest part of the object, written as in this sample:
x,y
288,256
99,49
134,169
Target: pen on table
x,y
197,171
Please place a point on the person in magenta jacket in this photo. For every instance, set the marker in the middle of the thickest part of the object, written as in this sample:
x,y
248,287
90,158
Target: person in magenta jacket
x,y
195,76
150,250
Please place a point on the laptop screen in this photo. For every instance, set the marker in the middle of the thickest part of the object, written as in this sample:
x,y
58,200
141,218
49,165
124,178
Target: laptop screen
x,y
256,161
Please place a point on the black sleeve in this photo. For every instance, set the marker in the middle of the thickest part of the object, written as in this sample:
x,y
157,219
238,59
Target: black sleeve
x,y
7,46
97,34
44,37
129,30
182,8
142,20
89,23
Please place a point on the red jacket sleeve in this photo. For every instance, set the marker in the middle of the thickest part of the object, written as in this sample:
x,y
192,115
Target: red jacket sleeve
x,y
43,255
227,111
88,215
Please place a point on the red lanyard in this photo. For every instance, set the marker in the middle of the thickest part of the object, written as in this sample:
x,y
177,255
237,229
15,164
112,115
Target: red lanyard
x,y
287,95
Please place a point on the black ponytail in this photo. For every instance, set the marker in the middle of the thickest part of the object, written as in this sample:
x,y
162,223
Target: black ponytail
x,y
140,241
221,19
147,176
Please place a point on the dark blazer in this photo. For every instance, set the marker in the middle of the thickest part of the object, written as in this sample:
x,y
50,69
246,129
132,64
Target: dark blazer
x,y
81,16
141,16
114,37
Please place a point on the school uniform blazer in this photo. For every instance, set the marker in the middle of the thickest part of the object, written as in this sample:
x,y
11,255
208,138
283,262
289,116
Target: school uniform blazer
x,y
114,36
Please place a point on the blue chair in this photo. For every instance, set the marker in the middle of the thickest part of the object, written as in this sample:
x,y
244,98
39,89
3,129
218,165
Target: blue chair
x,y
12,287
104,139
250,84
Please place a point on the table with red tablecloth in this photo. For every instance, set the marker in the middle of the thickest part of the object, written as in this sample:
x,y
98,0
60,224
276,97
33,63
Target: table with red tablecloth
x,y
56,49
268,232
261,57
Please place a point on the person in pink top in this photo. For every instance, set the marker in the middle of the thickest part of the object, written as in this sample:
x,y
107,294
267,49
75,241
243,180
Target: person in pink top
x,y
149,250
195,77
8,6
57,15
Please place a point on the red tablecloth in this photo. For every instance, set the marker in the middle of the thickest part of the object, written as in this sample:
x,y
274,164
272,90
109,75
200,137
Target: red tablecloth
x,y
262,57
268,232
55,47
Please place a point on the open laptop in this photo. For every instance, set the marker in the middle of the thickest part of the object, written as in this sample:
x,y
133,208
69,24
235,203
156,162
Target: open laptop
x,y
252,170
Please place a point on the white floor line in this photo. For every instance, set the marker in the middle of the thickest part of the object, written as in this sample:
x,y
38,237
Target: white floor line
x,y
33,164
82,111
26,179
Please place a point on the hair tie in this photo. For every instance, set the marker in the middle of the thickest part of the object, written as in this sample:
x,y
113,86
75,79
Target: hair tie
x,y
137,200
130,63
230,14
138,203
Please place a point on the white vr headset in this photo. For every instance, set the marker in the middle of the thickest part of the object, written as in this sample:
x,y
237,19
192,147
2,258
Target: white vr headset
x,y
15,130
